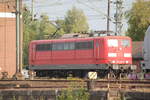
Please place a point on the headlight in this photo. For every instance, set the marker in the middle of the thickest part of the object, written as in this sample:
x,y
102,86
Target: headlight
x,y
127,61
127,54
112,54
113,61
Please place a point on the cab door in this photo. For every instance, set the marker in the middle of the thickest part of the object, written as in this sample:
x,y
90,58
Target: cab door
x,y
97,49
32,53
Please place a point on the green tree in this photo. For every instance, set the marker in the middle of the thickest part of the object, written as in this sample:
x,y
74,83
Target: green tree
x,y
75,21
29,33
70,94
60,25
138,19
45,27
35,30
75,92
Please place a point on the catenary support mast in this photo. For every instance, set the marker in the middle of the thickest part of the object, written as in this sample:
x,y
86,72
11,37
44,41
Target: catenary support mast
x,y
18,38
17,35
108,17
32,10
119,17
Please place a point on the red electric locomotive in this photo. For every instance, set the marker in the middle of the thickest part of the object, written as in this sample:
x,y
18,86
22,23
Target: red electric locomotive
x,y
79,56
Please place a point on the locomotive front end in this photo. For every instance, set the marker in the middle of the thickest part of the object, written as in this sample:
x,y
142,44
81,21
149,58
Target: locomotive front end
x,y
119,51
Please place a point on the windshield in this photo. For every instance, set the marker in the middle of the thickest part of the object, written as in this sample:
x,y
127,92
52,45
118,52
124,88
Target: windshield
x,y
125,43
113,43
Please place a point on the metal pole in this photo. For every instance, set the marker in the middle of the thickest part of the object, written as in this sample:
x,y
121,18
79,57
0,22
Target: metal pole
x,y
116,19
18,74
21,38
32,10
119,16
17,35
108,12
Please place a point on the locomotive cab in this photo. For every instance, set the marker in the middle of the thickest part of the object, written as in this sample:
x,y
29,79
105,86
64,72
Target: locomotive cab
x,y
119,56
119,52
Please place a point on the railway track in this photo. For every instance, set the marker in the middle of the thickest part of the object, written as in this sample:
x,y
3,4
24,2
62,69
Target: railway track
x,y
62,84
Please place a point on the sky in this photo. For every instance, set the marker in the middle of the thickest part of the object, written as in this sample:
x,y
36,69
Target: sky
x,y
95,11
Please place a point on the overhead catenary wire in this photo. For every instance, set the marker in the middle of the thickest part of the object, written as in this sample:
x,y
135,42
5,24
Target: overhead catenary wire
x,y
10,1
102,13
109,18
87,3
93,8
57,17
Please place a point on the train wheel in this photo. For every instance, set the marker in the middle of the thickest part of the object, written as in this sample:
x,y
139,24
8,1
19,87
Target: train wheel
x,y
111,76
111,73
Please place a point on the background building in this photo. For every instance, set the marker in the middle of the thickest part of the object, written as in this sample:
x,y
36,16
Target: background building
x,y
7,37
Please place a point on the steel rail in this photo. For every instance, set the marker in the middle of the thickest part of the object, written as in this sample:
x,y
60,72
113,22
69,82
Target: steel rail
x,y
44,83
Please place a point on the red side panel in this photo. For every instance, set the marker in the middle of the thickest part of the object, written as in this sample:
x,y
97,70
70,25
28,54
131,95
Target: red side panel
x,y
65,55
84,54
46,55
100,49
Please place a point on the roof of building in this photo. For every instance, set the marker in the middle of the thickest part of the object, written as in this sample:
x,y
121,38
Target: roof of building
x,y
137,49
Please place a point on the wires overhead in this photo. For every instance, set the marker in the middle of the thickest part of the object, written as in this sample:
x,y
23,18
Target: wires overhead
x,y
62,3
56,9
11,1
95,9
45,3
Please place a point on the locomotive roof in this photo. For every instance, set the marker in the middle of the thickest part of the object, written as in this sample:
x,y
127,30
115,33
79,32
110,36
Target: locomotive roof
x,y
87,38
